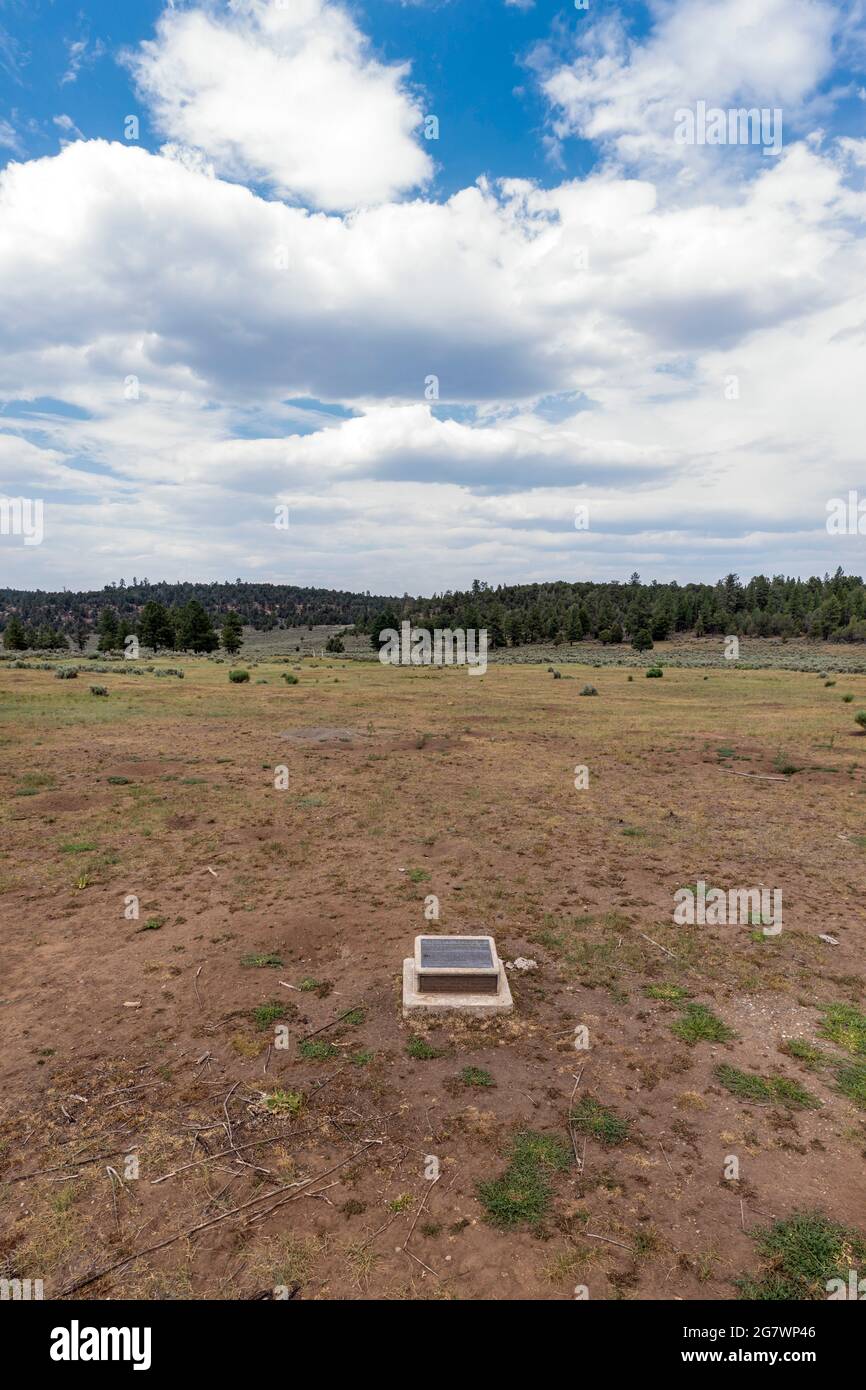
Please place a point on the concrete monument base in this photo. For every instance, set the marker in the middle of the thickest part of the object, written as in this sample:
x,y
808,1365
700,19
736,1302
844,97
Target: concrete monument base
x,y
470,1005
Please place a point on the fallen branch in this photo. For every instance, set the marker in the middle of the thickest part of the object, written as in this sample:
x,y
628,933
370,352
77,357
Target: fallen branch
x,y
223,1153
419,1211
71,1163
257,1216
658,944
193,1230
610,1241
324,1026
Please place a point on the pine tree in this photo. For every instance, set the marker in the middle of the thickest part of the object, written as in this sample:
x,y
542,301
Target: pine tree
x,y
232,633
155,628
109,630
387,618
14,636
495,629
514,627
195,631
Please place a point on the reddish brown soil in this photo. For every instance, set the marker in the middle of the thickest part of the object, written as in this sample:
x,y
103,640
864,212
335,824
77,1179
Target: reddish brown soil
x,y
120,1039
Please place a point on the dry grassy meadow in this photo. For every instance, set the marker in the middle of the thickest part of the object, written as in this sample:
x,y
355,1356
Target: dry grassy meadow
x,y
150,1044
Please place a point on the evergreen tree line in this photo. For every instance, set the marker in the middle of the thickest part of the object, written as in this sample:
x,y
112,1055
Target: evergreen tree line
x,y
184,617
830,609
265,607
188,629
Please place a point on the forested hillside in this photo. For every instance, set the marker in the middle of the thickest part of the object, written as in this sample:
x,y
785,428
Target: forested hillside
x,y
829,608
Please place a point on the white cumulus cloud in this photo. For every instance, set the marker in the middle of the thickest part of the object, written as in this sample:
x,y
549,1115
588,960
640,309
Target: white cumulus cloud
x,y
286,95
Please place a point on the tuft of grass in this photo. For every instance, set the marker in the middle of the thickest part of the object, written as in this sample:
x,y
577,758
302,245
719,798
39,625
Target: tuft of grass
x,y
266,1014
285,1102
355,1017
418,875
523,1193
805,1052
239,677
749,1086
262,961
597,1121
782,763
851,1081
153,924
476,1076
421,1051
699,1024
296,1258
77,847
671,993
118,781
320,987
317,1050
654,671
801,1254
588,690
845,1025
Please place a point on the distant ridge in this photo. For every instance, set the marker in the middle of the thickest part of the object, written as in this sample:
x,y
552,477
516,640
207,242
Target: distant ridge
x,y
829,608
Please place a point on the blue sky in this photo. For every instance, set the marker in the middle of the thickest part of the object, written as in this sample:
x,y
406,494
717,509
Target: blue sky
x,y
468,59
281,292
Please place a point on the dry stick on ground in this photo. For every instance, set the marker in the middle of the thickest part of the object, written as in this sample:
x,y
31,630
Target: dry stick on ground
x,y
70,1163
275,1139
571,1130
228,1123
328,1079
122,1090
111,1172
421,1263
195,986
658,944
664,1155
258,1215
331,1024
418,1213
610,1241
217,1195
201,1226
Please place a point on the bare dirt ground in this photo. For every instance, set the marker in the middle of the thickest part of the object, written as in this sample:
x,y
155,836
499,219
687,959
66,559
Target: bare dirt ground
x,y
132,1044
